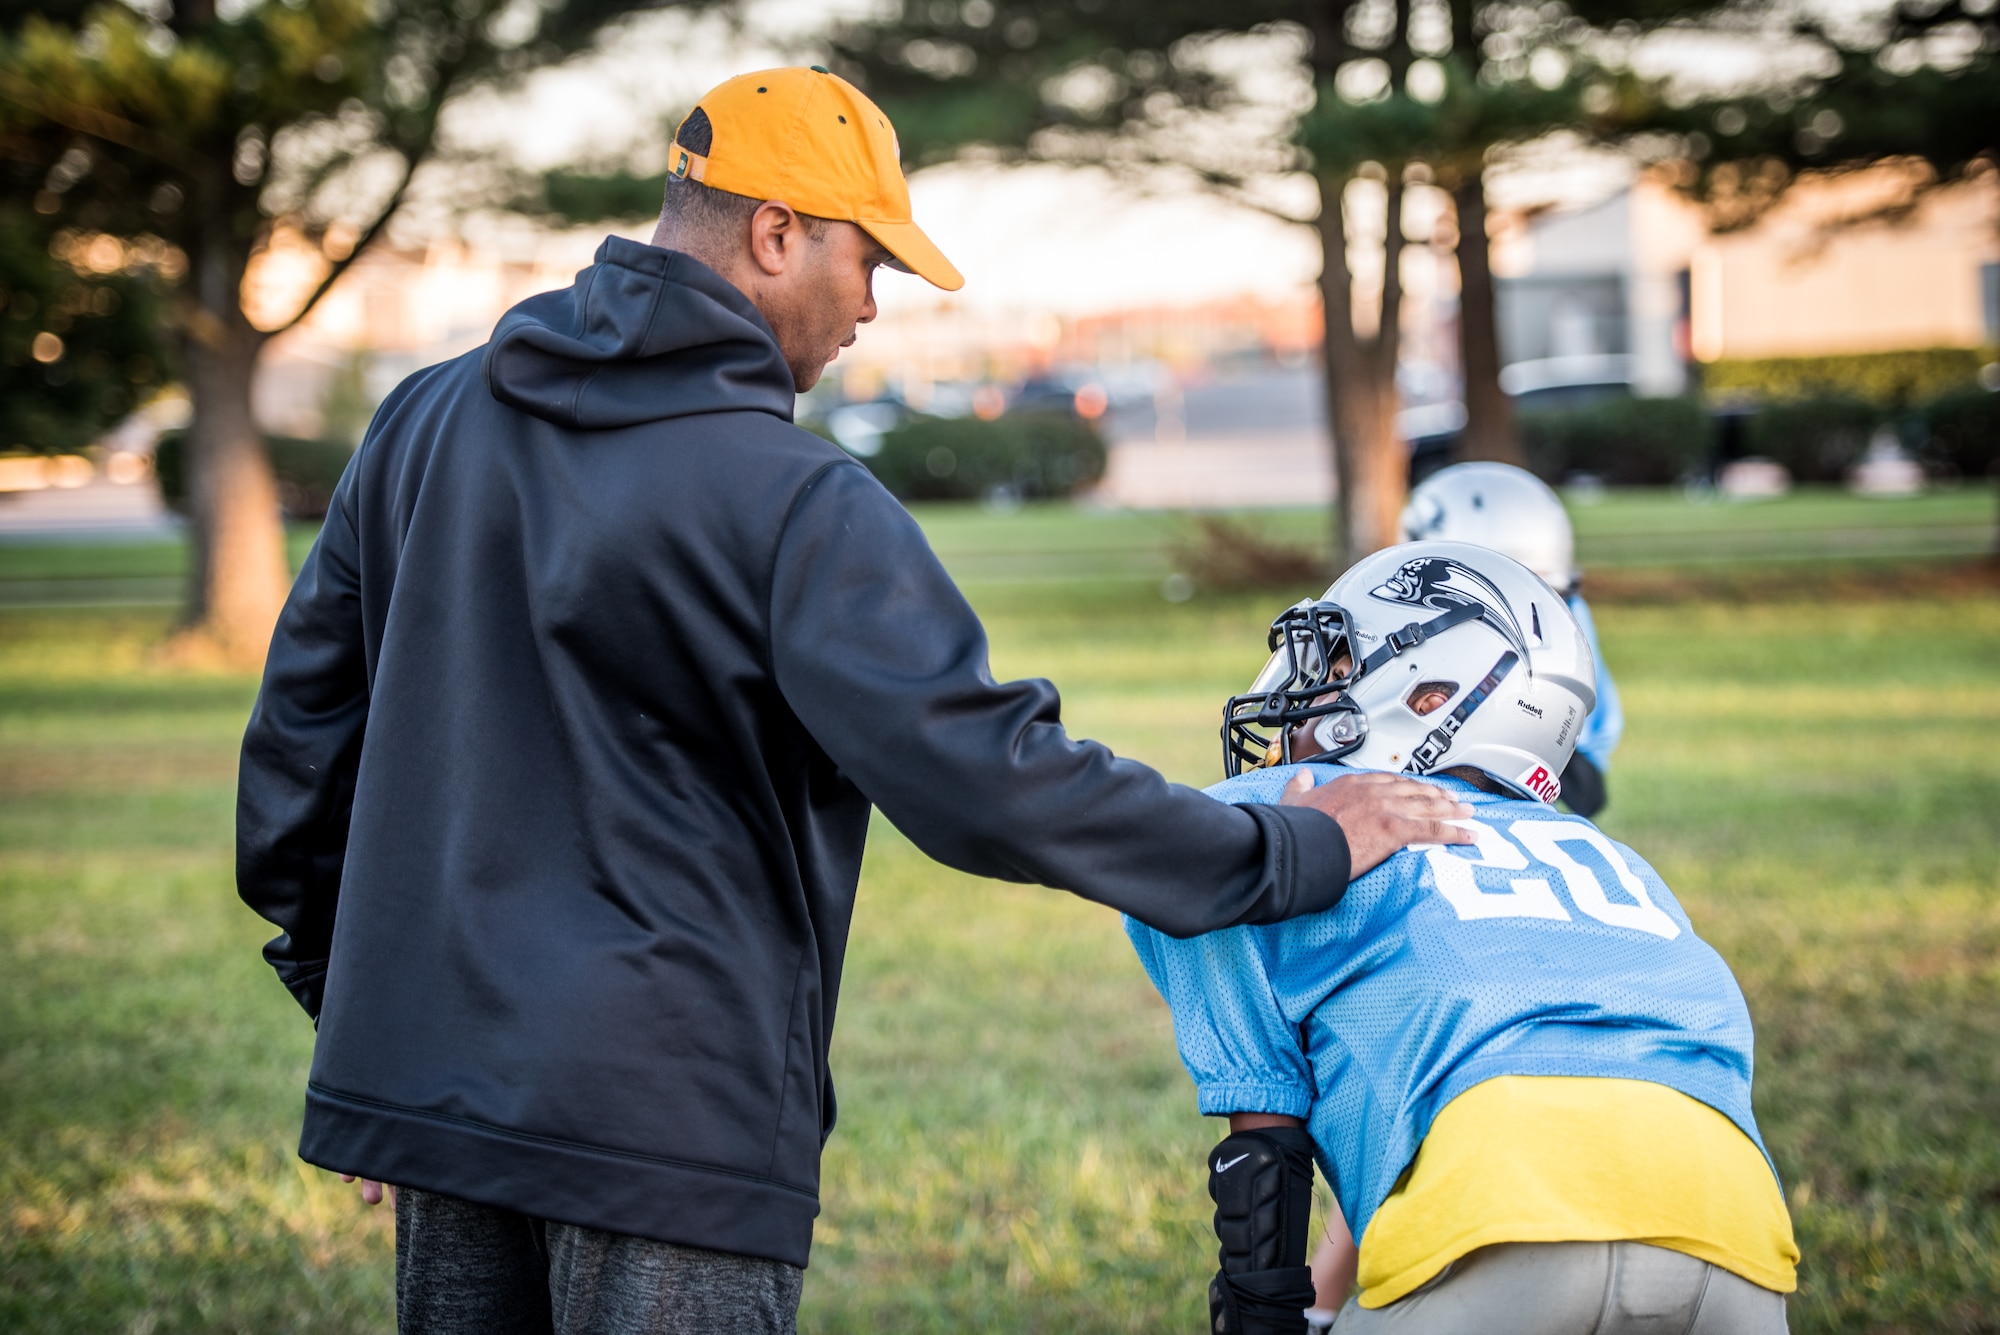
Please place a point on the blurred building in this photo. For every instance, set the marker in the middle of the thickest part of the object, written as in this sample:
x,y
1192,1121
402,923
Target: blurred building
x,y
1826,271
1604,284
949,342
1638,284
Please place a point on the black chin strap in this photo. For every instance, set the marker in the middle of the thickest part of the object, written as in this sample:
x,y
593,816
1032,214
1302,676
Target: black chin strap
x,y
1414,634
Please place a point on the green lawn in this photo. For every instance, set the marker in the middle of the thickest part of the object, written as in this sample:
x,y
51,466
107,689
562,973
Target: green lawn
x,y
1625,529
1061,545
1809,762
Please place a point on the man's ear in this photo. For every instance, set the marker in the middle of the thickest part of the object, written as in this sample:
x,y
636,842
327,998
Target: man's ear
x,y
776,233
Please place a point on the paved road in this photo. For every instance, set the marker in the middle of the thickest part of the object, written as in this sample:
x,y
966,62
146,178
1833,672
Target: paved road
x,y
1272,468
100,511
1255,438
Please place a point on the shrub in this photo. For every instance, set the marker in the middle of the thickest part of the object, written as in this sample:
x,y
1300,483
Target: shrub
x,y
1816,439
1885,379
1964,430
108,331
1222,556
170,469
307,470
1626,442
1029,455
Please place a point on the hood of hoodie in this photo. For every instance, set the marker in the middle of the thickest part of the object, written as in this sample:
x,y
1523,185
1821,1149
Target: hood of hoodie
x,y
643,334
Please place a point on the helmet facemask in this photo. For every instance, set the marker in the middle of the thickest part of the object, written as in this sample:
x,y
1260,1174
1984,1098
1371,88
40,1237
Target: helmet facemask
x,y
1298,686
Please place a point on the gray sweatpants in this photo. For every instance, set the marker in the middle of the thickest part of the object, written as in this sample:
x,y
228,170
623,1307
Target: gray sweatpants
x,y
1575,1288
465,1269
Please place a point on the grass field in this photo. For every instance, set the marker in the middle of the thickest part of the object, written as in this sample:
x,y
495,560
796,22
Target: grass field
x,y
1059,545
1810,761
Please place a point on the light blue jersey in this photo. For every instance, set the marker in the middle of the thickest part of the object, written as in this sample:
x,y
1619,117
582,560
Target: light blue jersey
x,y
1606,723
1547,949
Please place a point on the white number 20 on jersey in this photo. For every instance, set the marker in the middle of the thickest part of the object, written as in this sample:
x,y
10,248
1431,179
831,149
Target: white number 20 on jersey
x,y
1530,895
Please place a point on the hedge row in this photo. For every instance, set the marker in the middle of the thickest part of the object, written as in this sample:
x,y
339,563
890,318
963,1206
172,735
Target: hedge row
x,y
307,472
1651,442
1963,430
1024,456
1626,442
1892,380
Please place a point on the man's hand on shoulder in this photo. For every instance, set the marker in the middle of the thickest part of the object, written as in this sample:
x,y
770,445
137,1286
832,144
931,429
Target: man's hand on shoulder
x,y
1382,813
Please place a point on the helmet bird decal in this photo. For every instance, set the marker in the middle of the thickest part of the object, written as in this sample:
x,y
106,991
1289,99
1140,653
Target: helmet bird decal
x,y
1440,584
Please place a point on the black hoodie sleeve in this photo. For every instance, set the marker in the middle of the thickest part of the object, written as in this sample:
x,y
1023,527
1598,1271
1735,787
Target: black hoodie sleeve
x,y
884,661
295,785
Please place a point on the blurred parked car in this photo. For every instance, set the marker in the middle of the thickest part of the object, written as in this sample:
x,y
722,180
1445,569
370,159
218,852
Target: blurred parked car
x,y
1550,384
858,428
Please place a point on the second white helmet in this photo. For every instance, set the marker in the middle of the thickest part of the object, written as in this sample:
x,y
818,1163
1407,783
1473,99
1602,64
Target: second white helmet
x,y
1499,506
1423,622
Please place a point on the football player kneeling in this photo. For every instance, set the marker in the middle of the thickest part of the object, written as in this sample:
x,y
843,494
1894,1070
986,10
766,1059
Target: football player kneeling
x,y
1525,1077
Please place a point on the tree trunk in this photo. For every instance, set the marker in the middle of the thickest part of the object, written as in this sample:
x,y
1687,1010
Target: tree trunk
x,y
1369,463
1489,416
238,576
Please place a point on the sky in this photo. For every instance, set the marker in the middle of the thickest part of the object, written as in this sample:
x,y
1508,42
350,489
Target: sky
x,y
1039,238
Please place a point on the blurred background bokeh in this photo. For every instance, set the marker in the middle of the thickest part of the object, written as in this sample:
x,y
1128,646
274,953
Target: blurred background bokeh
x,y
1726,275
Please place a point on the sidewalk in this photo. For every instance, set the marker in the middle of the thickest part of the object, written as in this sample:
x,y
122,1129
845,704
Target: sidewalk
x,y
99,511
1251,439
1264,468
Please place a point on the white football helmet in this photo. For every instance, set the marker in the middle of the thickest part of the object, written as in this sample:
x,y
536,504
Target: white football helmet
x,y
1499,506
1428,620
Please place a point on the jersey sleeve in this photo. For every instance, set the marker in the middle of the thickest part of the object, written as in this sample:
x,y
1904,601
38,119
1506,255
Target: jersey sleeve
x,y
1606,724
1234,1040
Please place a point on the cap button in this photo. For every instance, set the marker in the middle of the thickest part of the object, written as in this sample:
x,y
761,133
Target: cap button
x,y
819,69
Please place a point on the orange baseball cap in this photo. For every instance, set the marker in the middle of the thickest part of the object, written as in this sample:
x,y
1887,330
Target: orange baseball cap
x,y
815,141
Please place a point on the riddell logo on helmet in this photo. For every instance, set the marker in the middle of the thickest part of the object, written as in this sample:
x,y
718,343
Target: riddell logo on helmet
x,y
1542,784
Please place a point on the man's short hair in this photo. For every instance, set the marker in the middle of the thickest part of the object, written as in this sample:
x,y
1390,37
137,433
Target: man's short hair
x,y
692,206
706,211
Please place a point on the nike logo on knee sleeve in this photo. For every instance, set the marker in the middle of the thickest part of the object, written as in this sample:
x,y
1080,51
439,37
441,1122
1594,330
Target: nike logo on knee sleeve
x,y
1221,1167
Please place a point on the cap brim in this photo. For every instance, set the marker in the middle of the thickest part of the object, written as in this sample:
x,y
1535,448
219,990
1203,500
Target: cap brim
x,y
915,252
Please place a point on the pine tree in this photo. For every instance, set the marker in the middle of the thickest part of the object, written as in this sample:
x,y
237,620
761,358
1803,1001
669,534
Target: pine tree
x,y
1233,97
205,126
79,331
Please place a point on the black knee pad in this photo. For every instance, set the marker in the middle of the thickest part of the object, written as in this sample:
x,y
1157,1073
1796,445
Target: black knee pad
x,y
1262,1185
1261,1182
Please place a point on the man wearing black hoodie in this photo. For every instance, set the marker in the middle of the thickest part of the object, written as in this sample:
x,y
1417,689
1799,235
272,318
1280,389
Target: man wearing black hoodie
x,y
559,777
